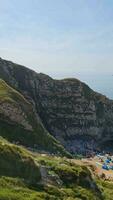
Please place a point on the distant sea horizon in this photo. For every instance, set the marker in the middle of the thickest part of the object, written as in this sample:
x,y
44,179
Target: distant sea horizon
x,y
102,83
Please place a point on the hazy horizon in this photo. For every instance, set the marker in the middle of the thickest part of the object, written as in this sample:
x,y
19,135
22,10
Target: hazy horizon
x,y
61,38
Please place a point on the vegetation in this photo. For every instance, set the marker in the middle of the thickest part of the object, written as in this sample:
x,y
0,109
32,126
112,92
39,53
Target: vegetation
x,y
21,177
9,94
16,132
28,175
16,162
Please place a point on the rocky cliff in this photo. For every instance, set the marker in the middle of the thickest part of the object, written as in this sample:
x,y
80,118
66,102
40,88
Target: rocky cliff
x,y
20,124
81,119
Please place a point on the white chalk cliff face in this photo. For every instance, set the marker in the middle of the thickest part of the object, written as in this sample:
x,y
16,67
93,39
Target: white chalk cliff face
x,y
81,119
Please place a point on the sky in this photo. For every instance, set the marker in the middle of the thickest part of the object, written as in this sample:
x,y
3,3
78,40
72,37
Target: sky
x,y
62,38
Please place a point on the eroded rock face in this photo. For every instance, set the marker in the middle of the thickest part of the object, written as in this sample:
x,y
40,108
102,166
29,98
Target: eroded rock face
x,y
15,113
77,116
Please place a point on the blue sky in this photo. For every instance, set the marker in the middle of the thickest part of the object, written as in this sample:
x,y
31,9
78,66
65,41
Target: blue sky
x,y
63,38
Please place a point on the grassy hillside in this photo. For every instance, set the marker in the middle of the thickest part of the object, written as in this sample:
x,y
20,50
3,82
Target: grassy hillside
x,y
12,128
22,177
14,189
9,94
16,162
29,176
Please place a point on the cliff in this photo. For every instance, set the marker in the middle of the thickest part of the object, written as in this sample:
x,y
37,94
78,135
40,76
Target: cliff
x,y
19,123
81,119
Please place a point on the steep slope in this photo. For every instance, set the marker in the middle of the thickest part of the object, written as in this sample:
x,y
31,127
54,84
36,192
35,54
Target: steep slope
x,y
28,176
17,162
19,123
81,119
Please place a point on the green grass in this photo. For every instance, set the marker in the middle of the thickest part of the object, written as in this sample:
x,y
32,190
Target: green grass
x,y
20,177
17,162
15,189
9,94
16,132
106,188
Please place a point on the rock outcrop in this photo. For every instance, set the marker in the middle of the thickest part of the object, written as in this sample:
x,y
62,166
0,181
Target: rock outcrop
x,y
19,123
81,119
15,114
